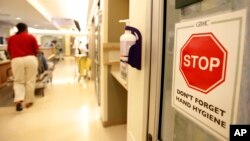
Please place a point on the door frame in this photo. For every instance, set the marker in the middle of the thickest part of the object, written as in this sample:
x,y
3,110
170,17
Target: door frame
x,y
156,62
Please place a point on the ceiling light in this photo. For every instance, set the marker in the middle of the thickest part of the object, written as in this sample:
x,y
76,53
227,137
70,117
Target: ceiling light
x,y
18,18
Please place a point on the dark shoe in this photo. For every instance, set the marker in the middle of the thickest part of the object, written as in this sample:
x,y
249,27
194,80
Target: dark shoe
x,y
28,105
19,107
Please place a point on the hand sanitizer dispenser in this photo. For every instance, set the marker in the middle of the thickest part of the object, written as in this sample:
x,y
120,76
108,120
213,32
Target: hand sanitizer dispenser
x,y
127,39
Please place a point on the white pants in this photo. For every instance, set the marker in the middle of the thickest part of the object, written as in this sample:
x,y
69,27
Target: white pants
x,y
24,70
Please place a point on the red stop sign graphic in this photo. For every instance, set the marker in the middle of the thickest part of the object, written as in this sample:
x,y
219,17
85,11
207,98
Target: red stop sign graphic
x,y
203,62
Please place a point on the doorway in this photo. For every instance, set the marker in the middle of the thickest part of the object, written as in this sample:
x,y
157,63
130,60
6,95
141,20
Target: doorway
x,y
165,123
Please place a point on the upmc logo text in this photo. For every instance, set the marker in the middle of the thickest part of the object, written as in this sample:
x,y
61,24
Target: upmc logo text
x,y
203,62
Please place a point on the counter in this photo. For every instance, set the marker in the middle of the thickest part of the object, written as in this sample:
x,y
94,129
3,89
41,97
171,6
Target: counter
x,y
116,74
4,67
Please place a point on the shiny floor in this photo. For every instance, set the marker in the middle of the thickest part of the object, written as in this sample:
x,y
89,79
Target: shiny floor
x,y
67,112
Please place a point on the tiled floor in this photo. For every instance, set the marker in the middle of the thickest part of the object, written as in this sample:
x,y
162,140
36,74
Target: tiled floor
x,y
68,112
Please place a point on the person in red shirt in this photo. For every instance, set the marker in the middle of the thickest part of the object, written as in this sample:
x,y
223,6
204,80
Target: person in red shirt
x,y
22,48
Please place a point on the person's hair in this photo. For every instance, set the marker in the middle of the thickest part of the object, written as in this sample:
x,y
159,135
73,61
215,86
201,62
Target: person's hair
x,y
21,27
54,41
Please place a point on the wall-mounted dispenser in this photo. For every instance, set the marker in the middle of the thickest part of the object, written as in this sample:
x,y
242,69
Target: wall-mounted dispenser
x,y
134,55
130,49
127,39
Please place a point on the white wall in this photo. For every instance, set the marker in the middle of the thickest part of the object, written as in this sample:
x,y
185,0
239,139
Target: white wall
x,y
138,79
103,77
67,45
4,32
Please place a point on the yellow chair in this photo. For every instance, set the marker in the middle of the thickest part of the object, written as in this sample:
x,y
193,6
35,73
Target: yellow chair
x,y
83,66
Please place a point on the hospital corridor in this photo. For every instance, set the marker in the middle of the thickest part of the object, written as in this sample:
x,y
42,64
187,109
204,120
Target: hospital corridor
x,y
67,112
125,70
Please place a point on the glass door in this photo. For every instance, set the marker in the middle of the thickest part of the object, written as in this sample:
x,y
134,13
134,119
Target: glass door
x,y
167,113
165,123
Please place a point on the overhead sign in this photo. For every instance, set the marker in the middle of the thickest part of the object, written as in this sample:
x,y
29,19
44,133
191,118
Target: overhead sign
x,y
207,69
